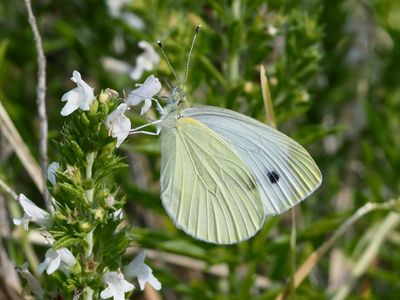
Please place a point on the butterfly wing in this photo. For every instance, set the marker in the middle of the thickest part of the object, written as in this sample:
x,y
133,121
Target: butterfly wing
x,y
206,188
285,172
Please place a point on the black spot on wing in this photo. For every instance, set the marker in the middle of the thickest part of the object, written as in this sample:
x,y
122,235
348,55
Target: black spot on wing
x,y
273,177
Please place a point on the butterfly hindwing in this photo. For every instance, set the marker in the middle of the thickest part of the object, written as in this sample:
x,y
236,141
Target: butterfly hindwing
x,y
206,188
285,172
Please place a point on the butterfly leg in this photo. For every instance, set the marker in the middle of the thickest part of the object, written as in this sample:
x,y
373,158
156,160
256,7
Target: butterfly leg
x,y
159,107
146,132
145,125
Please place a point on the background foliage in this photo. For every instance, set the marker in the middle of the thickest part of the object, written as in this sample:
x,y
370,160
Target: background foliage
x,y
333,74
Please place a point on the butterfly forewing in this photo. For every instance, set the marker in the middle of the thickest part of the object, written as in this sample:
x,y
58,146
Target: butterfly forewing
x,y
285,173
206,188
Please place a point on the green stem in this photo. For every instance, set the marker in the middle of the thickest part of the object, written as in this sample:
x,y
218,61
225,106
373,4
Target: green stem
x,y
89,240
88,293
234,67
30,254
293,234
89,196
236,9
234,58
89,171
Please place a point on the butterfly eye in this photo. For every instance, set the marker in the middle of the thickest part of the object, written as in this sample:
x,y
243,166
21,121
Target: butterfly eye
x,y
273,177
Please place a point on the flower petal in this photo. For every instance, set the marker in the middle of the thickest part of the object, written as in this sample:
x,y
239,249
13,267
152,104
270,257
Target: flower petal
x,y
31,209
132,20
117,286
146,106
72,98
150,53
147,90
145,61
134,267
17,221
80,97
154,282
136,72
51,172
137,268
54,262
121,131
116,66
106,293
119,124
150,87
42,267
121,284
66,256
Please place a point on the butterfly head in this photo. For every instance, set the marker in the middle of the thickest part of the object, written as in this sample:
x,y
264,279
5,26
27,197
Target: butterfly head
x,y
175,100
177,97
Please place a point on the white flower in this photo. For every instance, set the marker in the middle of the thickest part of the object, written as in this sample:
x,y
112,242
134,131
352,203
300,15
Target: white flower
x,y
117,286
61,259
150,87
116,66
32,213
33,283
132,20
118,124
51,172
272,30
80,97
145,61
118,214
115,8
137,268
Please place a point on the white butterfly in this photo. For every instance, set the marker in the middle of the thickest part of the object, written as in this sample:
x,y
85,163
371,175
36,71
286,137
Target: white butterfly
x,y
223,172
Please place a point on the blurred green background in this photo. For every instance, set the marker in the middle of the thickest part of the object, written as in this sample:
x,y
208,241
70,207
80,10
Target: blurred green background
x,y
334,75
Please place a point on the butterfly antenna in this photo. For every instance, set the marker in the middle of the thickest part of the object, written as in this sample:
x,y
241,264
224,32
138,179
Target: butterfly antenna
x,y
167,83
190,54
161,46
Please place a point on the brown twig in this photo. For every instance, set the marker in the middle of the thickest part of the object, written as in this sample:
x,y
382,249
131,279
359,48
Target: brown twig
x,y
8,190
360,266
20,148
41,100
9,281
313,259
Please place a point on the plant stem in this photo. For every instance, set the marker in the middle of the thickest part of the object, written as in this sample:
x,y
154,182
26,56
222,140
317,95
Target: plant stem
x,y
88,293
234,67
89,171
293,255
89,196
234,58
390,223
269,109
313,259
21,149
8,190
41,101
29,252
